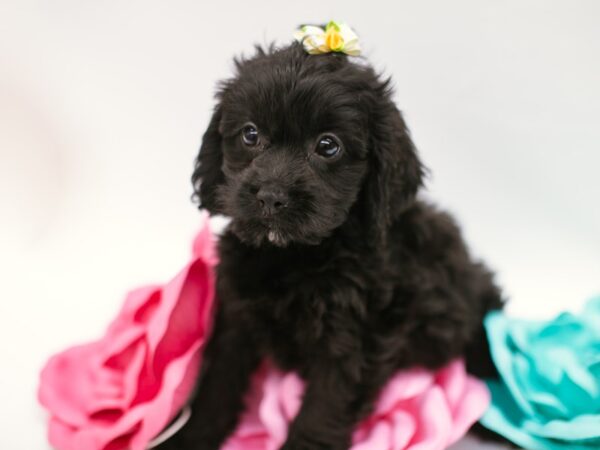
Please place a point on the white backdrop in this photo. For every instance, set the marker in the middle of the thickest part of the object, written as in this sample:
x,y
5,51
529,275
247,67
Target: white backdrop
x,y
102,105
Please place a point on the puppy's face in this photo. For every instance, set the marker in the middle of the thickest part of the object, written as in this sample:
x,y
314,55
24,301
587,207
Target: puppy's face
x,y
291,144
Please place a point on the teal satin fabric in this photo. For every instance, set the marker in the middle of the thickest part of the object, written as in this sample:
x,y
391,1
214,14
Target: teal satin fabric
x,y
548,397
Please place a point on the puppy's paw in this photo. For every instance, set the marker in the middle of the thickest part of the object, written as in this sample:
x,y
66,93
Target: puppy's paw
x,y
181,442
296,444
299,443
169,444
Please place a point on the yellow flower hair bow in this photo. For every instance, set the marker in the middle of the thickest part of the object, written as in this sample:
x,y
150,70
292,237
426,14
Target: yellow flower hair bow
x,y
336,37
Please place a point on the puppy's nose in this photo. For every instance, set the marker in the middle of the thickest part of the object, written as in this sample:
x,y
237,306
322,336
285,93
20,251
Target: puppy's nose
x,y
272,199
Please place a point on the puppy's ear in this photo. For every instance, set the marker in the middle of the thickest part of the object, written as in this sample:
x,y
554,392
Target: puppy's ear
x,y
208,174
395,171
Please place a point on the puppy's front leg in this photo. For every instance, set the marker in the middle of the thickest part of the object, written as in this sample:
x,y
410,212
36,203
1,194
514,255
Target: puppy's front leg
x,y
328,413
229,361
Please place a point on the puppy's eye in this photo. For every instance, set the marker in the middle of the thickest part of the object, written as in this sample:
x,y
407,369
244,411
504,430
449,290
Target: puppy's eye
x,y
328,146
250,135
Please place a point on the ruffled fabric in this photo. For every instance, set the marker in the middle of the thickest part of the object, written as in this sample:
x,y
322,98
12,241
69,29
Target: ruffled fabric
x,y
548,397
122,390
417,410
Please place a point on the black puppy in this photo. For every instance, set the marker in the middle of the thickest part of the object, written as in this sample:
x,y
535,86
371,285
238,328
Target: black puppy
x,y
330,266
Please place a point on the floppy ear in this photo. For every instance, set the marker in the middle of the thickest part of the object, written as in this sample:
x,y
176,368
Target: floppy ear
x,y
208,174
395,172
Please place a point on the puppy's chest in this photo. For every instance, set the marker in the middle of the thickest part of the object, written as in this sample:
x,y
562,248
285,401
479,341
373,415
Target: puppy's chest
x,y
291,320
289,309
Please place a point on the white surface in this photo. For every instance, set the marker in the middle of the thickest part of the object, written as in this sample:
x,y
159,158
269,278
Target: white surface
x,y
102,105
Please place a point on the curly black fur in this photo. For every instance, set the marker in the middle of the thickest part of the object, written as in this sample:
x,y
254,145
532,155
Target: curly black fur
x,y
353,278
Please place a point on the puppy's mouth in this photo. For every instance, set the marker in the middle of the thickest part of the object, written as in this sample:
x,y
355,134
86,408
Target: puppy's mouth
x,y
276,237
274,230
260,232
